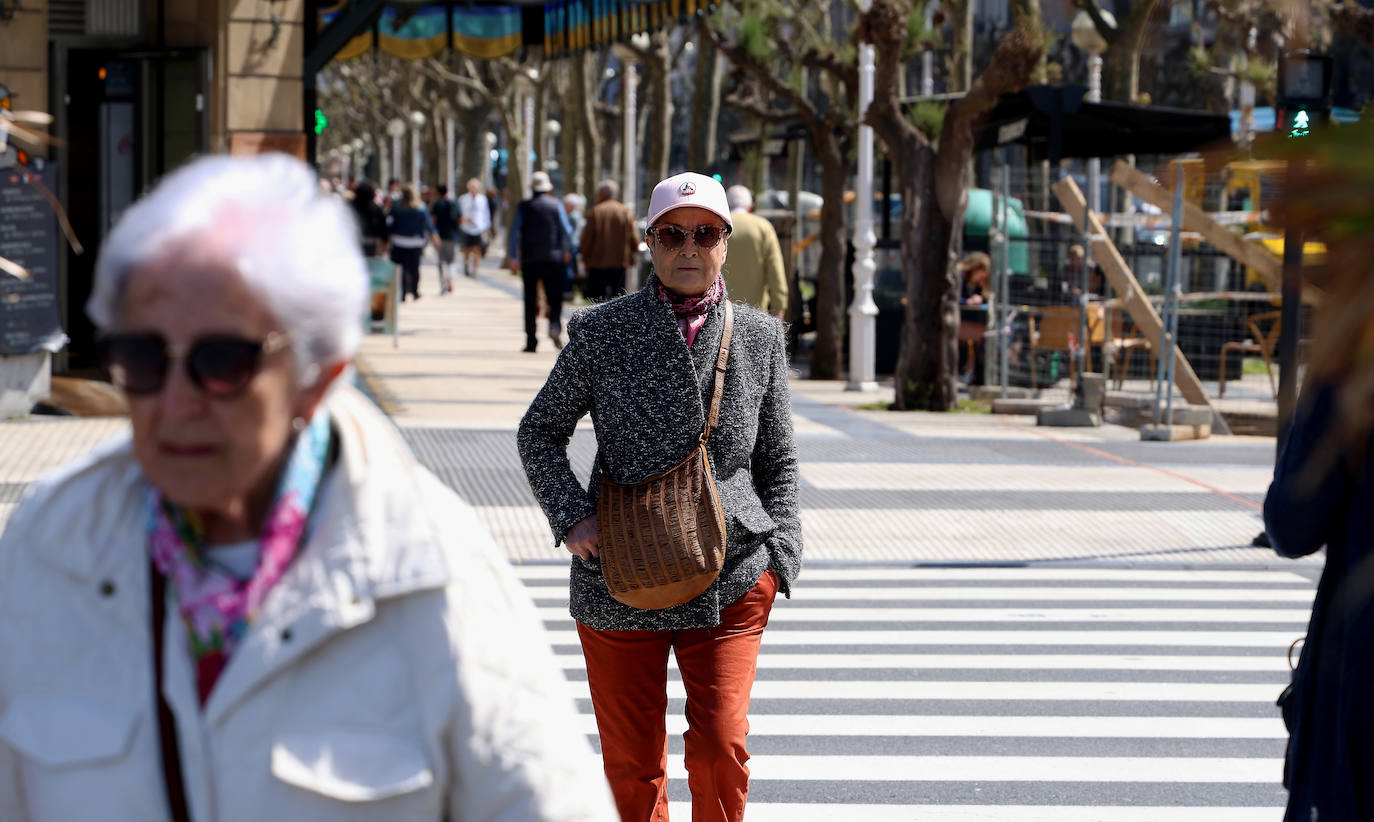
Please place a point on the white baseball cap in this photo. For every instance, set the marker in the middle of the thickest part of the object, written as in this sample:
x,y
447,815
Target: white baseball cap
x,y
689,190
540,182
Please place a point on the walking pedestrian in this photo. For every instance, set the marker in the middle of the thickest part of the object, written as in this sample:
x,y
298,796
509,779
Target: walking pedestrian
x,y
1322,495
444,212
645,366
609,244
539,248
476,223
410,229
256,604
371,220
574,203
755,273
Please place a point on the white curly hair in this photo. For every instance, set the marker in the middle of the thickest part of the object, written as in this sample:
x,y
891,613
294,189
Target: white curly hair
x,y
295,246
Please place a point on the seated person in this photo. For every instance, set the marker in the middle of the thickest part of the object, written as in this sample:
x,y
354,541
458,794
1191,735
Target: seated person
x,y
974,270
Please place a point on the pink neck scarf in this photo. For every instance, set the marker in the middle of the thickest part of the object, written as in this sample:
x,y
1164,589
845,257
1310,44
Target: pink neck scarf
x,y
692,311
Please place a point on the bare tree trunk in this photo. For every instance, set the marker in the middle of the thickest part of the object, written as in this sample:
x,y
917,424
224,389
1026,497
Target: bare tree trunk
x,y
827,357
572,137
660,81
586,87
701,150
541,104
473,126
935,193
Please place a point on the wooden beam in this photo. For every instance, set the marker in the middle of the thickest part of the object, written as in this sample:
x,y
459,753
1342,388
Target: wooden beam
x,y
1133,297
1252,255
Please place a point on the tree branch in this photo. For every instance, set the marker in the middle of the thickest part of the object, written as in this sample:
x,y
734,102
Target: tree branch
x,y
765,75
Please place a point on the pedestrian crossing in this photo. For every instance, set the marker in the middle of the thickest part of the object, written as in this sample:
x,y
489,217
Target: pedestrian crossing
x,y
990,694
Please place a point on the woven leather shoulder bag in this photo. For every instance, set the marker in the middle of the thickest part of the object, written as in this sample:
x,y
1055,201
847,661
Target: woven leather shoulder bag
x,y
663,539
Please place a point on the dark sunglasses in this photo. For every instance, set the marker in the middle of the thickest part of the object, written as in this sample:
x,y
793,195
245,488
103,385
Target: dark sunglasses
x,y
220,365
703,237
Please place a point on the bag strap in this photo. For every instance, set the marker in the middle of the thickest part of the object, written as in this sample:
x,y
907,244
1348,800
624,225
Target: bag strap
x,y
721,359
166,723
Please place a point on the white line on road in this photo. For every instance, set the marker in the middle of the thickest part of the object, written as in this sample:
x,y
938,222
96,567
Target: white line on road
x,y
827,812
783,613
999,691
1005,769
1274,663
1163,595
1000,727
1024,637
819,575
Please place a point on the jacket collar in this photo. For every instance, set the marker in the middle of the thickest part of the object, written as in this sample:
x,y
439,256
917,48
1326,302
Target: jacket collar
x,y
374,539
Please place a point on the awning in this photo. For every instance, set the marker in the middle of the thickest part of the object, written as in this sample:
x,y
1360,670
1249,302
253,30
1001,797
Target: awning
x,y
978,220
416,29
1054,122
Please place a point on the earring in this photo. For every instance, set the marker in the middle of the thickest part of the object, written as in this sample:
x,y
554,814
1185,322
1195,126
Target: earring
x,y
298,424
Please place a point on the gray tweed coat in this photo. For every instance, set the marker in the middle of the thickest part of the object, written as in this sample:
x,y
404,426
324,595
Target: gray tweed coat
x,y
627,363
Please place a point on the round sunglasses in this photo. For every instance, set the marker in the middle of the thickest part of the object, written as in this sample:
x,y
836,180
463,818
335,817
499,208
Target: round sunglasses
x,y
704,237
220,365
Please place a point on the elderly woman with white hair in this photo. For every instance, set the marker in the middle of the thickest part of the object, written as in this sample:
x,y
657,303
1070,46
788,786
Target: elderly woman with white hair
x,y
257,604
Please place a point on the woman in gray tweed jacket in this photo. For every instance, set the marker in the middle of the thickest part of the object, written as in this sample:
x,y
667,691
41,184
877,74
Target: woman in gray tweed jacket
x,y
642,365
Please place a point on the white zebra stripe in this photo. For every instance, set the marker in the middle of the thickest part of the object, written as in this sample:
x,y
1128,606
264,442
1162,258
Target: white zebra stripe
x,y
1279,640
822,574
1005,769
998,691
784,613
826,812
1272,663
1000,727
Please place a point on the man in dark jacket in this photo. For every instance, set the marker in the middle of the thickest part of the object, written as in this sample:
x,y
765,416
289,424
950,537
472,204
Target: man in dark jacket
x,y
444,212
609,243
540,248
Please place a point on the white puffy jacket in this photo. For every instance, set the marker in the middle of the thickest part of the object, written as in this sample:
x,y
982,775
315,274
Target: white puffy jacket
x,y
398,671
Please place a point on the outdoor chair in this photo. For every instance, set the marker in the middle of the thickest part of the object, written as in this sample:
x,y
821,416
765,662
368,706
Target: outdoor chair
x,y
1124,342
1265,327
1054,327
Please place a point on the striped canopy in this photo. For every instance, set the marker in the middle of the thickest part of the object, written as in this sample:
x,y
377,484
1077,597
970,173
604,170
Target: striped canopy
x,y
415,29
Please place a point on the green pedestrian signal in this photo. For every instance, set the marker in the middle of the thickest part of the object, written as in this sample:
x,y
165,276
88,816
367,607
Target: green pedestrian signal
x,y
320,121
1301,125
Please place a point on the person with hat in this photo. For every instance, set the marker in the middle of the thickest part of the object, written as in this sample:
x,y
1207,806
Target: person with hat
x,y
540,248
645,365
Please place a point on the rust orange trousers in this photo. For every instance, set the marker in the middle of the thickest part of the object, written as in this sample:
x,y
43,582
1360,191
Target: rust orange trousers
x,y
628,675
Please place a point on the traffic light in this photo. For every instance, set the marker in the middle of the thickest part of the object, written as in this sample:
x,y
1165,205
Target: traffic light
x,y
321,121
1304,98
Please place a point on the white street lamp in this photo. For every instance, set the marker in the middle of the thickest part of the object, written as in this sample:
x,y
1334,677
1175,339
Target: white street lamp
x,y
417,124
1087,38
397,129
552,128
863,312
488,174
526,159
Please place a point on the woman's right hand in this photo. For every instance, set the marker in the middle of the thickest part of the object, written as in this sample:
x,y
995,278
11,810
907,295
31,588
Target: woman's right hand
x,y
581,540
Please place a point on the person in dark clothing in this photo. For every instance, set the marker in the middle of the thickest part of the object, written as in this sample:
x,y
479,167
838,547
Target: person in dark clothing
x,y
1322,495
410,230
540,247
371,220
444,211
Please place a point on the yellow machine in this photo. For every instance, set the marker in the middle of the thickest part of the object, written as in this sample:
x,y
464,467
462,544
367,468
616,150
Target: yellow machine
x,y
1250,185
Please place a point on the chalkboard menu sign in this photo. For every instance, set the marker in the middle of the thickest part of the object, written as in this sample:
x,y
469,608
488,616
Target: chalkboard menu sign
x,y
30,318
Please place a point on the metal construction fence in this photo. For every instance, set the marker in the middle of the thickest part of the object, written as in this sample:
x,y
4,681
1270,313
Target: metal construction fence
x,y
1053,305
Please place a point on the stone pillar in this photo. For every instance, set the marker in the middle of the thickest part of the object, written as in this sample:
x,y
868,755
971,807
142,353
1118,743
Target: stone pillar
x,y
263,47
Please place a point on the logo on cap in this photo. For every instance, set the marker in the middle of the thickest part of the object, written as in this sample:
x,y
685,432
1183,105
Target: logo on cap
x,y
689,188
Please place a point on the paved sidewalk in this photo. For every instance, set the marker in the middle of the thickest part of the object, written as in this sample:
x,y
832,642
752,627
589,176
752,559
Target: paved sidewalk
x,y
876,485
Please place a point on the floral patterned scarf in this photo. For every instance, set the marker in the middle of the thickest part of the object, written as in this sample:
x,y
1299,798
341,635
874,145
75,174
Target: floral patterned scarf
x,y
216,606
691,311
